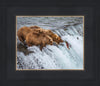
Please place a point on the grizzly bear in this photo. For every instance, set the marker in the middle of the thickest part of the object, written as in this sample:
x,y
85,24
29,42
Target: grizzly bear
x,y
38,39
35,35
22,33
54,36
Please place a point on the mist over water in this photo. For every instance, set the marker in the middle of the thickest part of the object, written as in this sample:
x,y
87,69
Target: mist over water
x,y
54,56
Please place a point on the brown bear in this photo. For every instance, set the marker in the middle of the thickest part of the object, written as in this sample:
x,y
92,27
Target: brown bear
x,y
22,33
38,39
54,36
41,36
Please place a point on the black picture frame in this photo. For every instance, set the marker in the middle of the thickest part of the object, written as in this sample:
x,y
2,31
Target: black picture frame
x,y
8,74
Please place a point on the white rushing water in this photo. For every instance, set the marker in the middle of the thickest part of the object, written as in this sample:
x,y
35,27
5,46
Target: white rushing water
x,y
54,56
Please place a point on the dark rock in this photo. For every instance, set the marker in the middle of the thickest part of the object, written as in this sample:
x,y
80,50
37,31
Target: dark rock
x,y
23,48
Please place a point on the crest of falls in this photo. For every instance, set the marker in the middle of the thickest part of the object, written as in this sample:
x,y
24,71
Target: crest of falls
x,y
54,56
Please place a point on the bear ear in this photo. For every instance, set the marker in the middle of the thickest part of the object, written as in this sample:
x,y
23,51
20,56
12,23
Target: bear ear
x,y
49,30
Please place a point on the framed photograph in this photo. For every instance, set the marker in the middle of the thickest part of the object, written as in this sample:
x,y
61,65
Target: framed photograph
x,y
35,51
49,43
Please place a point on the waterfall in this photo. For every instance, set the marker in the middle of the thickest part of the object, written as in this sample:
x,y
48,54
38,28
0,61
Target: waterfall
x,y
55,56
